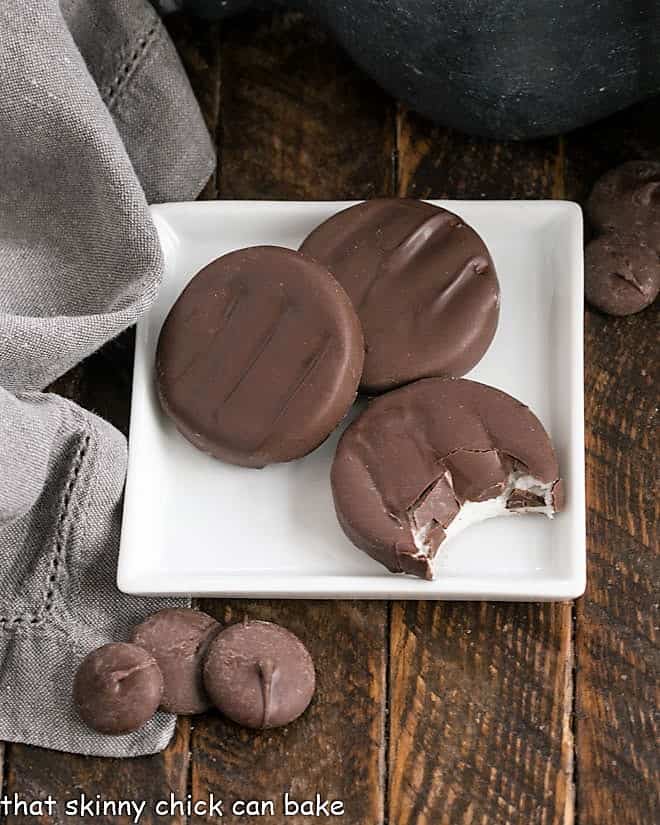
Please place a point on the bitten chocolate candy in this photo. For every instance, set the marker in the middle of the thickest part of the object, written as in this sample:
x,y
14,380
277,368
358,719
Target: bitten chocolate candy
x,y
259,674
117,688
425,461
177,638
622,265
260,357
423,284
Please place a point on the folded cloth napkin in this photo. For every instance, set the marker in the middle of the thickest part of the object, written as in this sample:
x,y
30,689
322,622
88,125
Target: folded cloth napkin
x,y
96,119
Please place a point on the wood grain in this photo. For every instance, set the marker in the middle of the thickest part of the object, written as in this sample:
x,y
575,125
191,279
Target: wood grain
x,y
442,163
298,121
617,678
481,694
197,45
34,773
335,748
480,714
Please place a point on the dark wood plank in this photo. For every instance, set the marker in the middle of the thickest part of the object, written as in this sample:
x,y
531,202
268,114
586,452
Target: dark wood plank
x,y
102,383
197,44
481,694
34,773
617,680
480,712
299,122
441,163
336,747
617,676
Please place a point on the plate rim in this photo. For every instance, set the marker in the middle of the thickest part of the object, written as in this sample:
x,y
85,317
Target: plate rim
x,y
384,585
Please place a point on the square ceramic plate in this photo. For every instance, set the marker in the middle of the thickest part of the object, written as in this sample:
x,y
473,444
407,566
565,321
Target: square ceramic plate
x,y
187,528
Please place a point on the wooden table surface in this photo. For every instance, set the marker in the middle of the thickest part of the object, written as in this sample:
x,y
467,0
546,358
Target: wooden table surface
x,y
426,713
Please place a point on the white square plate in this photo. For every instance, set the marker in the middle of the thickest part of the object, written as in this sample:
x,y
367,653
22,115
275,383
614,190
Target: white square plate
x,y
194,525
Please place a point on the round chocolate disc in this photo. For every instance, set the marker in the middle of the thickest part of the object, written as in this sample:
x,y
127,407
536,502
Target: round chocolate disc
x,y
622,265
177,638
117,688
422,281
405,468
621,273
260,357
259,674
627,199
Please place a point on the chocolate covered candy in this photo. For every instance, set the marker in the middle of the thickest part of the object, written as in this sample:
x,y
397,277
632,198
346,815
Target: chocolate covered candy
x,y
117,688
622,265
259,674
260,357
177,638
425,461
423,284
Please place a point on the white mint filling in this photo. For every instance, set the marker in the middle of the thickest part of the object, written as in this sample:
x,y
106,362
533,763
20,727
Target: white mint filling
x,y
473,512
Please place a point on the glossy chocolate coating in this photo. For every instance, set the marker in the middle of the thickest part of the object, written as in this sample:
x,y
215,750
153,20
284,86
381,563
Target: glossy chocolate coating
x,y
627,198
117,688
417,454
259,674
178,638
622,265
621,273
260,357
422,281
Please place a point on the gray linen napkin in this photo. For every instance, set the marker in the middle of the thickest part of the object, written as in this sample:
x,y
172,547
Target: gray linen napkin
x,y
95,112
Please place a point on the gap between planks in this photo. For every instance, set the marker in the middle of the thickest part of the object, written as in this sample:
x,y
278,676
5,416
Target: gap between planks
x,y
569,738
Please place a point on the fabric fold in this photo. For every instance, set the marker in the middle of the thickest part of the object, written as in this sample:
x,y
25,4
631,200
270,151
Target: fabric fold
x,y
96,119
59,598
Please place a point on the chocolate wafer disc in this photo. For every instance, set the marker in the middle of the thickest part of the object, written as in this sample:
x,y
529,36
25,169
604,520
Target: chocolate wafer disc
x,y
260,357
